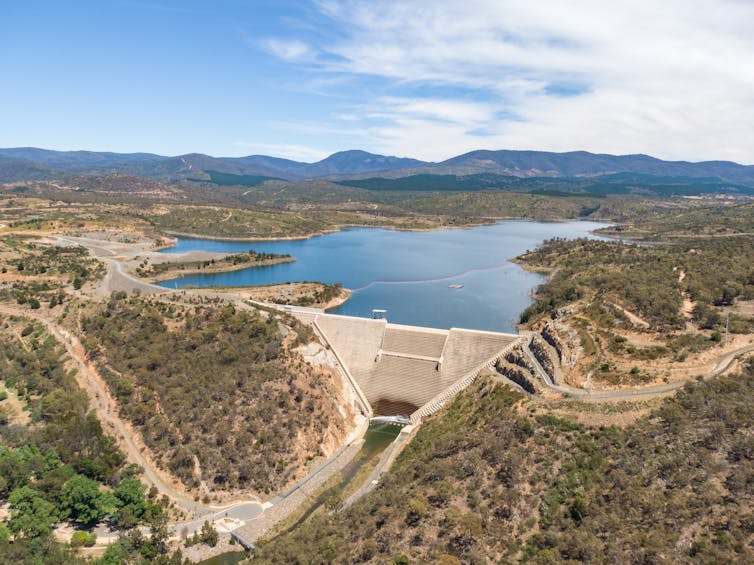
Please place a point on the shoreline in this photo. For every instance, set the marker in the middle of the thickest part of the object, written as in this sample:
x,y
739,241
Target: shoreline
x,y
342,227
186,235
247,292
175,274
345,296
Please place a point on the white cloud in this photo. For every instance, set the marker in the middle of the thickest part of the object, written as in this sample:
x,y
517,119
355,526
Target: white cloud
x,y
671,78
289,50
444,110
284,150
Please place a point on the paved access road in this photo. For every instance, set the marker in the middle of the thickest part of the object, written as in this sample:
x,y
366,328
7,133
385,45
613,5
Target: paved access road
x,y
723,364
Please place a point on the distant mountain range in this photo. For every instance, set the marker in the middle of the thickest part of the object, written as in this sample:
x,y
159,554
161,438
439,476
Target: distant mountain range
x,y
490,168
44,162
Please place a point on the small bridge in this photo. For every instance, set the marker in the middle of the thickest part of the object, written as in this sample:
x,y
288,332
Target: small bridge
x,y
397,420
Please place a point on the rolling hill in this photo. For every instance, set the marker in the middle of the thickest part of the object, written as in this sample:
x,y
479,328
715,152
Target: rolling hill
x,y
583,163
482,169
12,170
181,167
601,185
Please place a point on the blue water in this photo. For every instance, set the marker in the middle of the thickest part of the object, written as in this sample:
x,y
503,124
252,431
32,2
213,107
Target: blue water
x,y
407,273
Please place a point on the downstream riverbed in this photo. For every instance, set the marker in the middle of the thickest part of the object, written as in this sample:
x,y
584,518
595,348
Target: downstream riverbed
x,y
378,437
409,274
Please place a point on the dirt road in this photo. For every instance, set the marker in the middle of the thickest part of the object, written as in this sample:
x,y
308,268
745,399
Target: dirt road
x,y
724,362
104,404
116,279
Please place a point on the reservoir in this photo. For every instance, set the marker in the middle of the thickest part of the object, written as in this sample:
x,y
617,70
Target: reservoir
x,y
446,278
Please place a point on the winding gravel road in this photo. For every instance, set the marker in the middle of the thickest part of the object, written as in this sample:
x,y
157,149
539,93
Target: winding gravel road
x,y
723,364
101,401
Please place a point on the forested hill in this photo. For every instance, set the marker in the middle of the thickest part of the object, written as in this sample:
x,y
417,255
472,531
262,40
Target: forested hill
x,y
356,164
583,163
228,369
600,185
493,479
46,164
58,465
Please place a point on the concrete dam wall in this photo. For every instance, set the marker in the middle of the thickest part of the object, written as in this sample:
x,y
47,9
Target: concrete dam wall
x,y
404,369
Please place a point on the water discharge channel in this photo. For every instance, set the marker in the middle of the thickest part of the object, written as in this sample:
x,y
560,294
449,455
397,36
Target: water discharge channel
x,y
378,437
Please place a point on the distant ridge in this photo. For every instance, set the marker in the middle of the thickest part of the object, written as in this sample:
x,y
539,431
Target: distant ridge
x,y
583,163
181,167
70,160
12,170
31,162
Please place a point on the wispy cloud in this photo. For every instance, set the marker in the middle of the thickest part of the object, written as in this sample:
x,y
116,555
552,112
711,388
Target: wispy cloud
x,y
285,150
439,110
671,78
289,50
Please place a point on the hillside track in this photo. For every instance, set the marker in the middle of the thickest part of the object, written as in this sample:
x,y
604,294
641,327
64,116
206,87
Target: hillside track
x,y
106,408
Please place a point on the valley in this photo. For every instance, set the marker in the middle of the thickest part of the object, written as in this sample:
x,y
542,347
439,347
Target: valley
x,y
388,283
255,420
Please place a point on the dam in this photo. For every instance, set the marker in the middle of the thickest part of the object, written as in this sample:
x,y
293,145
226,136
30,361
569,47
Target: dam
x,y
400,374
405,370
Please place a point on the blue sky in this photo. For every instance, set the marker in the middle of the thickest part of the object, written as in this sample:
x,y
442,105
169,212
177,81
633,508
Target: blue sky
x,y
427,79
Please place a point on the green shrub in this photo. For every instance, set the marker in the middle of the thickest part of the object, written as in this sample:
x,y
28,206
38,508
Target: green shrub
x,y
207,535
83,539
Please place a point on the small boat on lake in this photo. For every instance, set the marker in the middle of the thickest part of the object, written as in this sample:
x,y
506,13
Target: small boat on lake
x,y
456,285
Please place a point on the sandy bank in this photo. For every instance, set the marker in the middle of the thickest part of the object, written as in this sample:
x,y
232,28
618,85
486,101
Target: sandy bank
x,y
188,267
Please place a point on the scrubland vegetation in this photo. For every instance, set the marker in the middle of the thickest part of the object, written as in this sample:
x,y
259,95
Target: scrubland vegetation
x,y
33,274
637,315
691,219
492,204
235,223
647,280
216,392
310,294
493,477
22,258
59,465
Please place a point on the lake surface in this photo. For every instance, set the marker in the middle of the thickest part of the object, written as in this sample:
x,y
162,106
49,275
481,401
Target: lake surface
x,y
408,273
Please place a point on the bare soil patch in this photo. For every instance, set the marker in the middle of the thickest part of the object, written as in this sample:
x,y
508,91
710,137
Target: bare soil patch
x,y
297,294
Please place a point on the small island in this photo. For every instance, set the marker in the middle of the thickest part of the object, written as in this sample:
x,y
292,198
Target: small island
x,y
310,294
166,270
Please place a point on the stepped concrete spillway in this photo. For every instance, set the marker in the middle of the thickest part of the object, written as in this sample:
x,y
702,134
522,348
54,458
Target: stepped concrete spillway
x,y
408,370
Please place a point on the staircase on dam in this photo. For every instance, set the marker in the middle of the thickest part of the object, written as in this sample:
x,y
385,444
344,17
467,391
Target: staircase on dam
x,y
407,369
